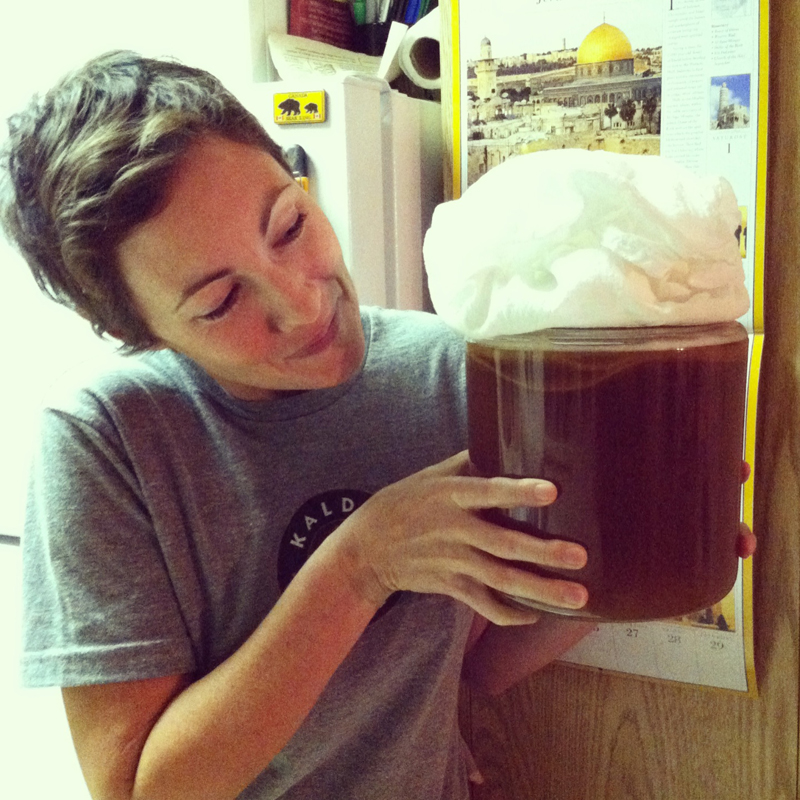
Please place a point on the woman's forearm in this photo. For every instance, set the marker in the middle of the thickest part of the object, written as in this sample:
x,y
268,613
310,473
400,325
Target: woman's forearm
x,y
503,656
224,729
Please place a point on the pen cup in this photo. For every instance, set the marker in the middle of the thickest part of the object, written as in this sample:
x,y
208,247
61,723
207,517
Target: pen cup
x,y
371,38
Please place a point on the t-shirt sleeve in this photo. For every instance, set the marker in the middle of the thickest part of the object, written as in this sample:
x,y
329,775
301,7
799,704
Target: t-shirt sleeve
x,y
98,603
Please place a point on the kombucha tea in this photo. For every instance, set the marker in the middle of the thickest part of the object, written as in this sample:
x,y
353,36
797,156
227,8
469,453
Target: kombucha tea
x,y
641,430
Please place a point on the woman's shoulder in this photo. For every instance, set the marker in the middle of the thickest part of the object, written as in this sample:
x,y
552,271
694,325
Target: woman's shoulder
x,y
410,328
111,380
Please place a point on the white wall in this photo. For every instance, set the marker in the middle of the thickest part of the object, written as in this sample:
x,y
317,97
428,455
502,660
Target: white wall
x,y
39,41
37,759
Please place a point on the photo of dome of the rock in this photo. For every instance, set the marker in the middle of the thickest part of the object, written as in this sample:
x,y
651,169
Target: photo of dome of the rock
x,y
602,93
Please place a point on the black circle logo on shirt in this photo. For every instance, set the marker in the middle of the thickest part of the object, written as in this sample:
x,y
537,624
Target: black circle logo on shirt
x,y
311,524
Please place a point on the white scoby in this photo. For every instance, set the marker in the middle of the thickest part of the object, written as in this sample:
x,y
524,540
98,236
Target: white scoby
x,y
573,238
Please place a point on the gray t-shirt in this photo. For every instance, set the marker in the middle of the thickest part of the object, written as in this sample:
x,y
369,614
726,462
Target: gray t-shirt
x,y
165,518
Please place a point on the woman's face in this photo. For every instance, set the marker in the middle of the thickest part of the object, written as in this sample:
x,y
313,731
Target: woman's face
x,y
242,272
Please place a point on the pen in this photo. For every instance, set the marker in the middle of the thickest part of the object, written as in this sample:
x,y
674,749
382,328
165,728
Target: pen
x,y
360,11
298,161
411,12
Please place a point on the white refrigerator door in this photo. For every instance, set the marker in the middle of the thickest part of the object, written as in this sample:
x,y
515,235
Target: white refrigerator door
x,y
375,168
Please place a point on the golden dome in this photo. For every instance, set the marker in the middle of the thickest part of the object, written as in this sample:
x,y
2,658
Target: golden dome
x,y
604,43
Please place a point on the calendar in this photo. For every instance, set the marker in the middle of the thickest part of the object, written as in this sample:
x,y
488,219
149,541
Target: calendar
x,y
712,648
686,79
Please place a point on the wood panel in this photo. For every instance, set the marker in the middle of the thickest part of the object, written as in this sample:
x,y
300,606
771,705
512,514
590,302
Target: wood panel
x,y
570,734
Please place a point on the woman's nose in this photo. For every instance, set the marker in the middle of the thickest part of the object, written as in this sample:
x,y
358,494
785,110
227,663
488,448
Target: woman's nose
x,y
292,299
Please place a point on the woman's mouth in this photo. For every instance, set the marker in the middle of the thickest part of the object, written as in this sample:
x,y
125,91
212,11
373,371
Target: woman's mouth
x,y
322,337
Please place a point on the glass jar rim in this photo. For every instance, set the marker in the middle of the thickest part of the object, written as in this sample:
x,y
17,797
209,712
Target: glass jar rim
x,y
663,337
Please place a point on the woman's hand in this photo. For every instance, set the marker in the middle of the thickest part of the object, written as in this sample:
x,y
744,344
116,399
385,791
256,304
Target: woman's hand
x,y
746,544
423,534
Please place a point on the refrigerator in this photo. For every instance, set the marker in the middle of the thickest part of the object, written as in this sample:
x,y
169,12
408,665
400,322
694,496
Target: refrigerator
x,y
375,166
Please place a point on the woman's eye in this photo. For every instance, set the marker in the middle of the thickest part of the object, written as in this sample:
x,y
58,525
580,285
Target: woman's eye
x,y
291,233
225,306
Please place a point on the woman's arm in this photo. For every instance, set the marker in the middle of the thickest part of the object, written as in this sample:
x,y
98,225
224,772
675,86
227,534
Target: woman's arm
x,y
171,738
500,657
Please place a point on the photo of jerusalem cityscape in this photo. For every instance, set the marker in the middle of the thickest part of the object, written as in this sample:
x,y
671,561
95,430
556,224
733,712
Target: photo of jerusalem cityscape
x,y
603,92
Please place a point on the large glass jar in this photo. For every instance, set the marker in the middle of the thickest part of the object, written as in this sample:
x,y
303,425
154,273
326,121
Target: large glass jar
x,y
641,430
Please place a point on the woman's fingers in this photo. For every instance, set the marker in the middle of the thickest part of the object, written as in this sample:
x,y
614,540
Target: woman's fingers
x,y
514,579
745,471
746,544
497,559
512,545
457,464
477,493
490,603
492,607
424,534
518,582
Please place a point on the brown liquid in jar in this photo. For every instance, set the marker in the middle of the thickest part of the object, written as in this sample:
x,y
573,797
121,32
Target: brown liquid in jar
x,y
641,431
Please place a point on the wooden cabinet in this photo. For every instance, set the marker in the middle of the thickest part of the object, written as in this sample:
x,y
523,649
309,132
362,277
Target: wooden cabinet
x,y
570,734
